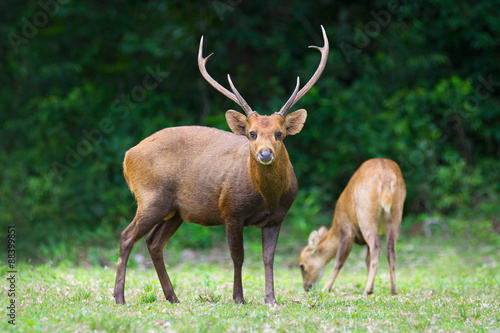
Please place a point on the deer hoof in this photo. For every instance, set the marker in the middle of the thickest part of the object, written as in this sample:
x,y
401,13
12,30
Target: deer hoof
x,y
120,300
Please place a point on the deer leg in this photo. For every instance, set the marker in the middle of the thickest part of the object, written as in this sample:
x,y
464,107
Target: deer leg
x,y
156,241
373,243
269,241
345,247
234,234
391,257
392,229
367,219
367,260
139,227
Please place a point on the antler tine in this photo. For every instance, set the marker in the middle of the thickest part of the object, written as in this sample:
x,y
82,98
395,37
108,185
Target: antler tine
x,y
324,57
235,98
284,110
248,110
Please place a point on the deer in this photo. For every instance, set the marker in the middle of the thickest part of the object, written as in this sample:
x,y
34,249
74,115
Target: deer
x,y
371,203
213,177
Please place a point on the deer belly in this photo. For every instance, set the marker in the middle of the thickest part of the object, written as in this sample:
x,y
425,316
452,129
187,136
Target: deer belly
x,y
262,219
201,212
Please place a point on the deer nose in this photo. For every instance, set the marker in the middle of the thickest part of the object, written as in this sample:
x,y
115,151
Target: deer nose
x,y
307,286
266,156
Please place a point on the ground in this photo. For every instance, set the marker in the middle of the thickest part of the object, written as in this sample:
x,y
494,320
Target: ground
x,y
444,285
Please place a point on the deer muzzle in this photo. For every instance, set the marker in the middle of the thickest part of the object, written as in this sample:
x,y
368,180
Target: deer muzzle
x,y
265,156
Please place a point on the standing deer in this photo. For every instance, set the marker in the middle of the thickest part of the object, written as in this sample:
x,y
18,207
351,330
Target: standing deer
x,y
371,203
211,177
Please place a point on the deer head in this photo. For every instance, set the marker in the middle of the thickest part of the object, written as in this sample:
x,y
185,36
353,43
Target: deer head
x,y
265,133
312,262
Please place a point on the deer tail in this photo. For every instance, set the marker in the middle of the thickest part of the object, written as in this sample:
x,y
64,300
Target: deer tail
x,y
386,196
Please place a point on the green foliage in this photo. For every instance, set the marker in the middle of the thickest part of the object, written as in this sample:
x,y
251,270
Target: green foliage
x,y
414,81
306,215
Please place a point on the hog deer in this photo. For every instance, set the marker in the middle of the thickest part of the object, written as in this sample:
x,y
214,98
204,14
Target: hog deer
x,y
371,203
212,177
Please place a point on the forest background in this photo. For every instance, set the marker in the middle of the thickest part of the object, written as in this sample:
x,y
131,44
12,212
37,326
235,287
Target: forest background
x,y
83,81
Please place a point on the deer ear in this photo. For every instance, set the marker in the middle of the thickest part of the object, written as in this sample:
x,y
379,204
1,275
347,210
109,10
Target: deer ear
x,y
313,240
295,121
322,231
237,122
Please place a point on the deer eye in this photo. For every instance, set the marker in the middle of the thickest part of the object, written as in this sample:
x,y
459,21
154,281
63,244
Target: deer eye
x,y
253,135
278,135
302,267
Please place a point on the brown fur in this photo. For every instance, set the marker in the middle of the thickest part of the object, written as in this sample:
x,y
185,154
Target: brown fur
x,y
210,177
371,202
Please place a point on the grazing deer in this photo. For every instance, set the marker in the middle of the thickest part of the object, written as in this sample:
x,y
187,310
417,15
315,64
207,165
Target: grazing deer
x,y
371,203
211,177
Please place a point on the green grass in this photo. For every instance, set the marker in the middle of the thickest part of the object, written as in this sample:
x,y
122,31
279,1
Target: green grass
x,y
444,285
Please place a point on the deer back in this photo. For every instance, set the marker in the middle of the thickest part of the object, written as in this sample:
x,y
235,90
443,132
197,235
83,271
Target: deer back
x,y
376,187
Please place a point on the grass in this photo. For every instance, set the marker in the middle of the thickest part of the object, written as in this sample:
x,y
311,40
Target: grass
x,y
444,285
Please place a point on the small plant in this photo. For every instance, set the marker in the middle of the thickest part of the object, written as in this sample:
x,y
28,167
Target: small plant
x,y
81,294
210,297
148,296
148,287
316,298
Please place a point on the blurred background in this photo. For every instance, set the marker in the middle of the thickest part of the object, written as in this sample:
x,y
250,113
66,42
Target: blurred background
x,y
81,82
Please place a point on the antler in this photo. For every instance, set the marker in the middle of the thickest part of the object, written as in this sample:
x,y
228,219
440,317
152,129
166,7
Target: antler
x,y
236,97
248,110
296,96
291,101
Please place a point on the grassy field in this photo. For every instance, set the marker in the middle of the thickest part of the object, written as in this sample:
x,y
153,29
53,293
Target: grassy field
x,y
444,285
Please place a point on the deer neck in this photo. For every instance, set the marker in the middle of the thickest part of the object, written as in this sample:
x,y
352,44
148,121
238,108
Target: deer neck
x,y
272,180
329,243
